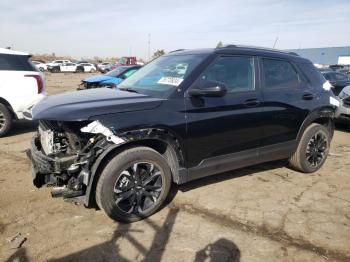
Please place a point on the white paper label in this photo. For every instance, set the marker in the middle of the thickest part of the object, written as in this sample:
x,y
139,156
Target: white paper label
x,y
334,101
167,80
327,86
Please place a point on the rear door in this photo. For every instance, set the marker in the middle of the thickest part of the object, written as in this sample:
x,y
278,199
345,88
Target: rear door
x,y
287,99
219,126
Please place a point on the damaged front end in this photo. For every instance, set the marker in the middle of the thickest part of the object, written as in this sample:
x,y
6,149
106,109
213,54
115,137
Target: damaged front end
x,y
62,154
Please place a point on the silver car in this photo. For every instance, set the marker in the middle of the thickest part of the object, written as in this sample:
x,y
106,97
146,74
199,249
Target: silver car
x,y
343,112
104,67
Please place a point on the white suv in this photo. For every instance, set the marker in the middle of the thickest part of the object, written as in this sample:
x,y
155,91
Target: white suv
x,y
54,63
21,87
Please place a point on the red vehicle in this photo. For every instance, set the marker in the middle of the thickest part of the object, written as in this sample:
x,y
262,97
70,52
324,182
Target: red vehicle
x,y
125,60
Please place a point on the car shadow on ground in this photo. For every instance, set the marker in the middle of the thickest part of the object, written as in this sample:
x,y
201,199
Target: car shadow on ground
x,y
221,250
23,126
342,127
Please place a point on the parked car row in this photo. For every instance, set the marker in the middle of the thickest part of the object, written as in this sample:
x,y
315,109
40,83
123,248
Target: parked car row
x,y
57,66
110,79
72,67
83,66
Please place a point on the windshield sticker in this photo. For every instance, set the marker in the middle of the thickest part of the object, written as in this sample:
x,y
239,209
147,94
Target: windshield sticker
x,y
167,80
327,86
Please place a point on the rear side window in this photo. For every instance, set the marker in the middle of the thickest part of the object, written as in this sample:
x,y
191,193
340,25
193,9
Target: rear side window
x,y
279,74
313,74
15,63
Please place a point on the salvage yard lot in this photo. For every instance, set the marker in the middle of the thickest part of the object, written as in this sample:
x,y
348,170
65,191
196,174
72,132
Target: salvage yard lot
x,y
262,213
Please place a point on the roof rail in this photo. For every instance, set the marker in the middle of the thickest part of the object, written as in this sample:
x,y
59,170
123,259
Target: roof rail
x,y
293,53
177,50
226,46
258,47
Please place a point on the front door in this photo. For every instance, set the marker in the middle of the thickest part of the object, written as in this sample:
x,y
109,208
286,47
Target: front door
x,y
221,126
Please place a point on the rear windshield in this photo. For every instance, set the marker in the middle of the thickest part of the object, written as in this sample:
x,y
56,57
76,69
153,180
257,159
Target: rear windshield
x,y
15,63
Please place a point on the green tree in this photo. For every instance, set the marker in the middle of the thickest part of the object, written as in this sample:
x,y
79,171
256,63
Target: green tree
x,y
220,44
158,53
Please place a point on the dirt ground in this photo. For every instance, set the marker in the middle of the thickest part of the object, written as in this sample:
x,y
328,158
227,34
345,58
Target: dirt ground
x,y
263,213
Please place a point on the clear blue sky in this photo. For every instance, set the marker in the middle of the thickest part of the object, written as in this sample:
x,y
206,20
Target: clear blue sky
x,y
114,28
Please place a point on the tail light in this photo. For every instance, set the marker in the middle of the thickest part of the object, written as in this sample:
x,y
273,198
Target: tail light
x,y
39,82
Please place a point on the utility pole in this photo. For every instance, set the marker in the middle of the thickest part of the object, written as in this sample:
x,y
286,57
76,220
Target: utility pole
x,y
275,42
149,47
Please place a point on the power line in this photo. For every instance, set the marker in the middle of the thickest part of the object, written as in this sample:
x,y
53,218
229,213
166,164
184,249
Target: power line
x,y
149,47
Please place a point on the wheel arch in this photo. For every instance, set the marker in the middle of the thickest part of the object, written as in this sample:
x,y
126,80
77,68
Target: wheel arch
x,y
323,116
8,105
160,140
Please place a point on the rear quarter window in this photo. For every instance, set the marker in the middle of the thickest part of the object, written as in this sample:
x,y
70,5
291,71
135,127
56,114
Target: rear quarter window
x,y
279,74
312,73
15,63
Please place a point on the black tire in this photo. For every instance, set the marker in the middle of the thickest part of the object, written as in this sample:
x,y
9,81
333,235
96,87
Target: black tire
x,y
306,159
55,70
6,120
112,202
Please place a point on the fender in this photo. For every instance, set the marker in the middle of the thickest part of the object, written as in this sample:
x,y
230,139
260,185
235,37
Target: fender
x,y
133,138
326,112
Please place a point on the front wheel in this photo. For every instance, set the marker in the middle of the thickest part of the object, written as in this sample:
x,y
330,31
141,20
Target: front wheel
x,y
312,150
134,184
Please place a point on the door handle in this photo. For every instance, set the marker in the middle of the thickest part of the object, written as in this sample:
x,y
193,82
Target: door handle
x,y
251,102
308,96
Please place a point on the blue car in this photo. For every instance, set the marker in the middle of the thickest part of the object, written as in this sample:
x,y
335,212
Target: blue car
x,y
110,79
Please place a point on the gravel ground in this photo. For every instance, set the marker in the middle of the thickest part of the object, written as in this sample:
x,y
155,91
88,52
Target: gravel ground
x,y
261,213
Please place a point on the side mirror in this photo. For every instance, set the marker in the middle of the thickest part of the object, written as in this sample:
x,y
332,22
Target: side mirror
x,y
210,89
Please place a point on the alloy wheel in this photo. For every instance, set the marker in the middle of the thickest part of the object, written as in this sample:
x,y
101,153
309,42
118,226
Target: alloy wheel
x,y
2,121
138,188
316,149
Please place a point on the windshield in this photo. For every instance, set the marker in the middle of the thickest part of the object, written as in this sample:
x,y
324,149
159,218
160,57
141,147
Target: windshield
x,y
160,77
117,71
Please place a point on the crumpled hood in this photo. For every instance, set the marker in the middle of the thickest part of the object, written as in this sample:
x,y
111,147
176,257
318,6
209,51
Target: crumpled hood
x,y
98,79
81,105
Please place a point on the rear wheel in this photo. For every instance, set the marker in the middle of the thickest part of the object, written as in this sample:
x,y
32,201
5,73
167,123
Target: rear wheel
x,y
134,184
5,120
312,150
92,70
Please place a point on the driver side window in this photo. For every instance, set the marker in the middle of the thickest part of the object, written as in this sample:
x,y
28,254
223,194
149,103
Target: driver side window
x,y
237,73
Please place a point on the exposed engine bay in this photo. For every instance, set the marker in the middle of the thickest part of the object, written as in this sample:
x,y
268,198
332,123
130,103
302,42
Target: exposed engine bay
x,y
62,154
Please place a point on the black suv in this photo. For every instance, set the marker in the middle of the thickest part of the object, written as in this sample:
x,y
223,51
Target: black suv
x,y
184,116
